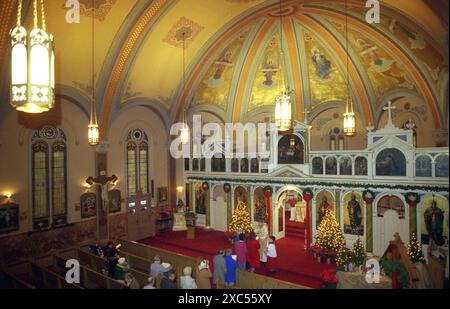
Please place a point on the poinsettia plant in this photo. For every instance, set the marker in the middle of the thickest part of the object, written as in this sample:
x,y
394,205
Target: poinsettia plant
x,y
329,279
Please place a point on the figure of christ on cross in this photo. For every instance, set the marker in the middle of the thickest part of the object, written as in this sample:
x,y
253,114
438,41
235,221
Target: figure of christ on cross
x,y
102,213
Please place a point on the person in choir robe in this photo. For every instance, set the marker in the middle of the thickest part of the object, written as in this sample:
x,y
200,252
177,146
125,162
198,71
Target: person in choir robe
x,y
131,282
271,255
168,280
121,269
186,281
203,275
230,262
241,251
253,252
157,268
151,284
220,268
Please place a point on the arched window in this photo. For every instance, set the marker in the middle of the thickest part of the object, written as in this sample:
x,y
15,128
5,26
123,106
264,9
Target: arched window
x,y
331,166
235,165
202,165
410,125
441,168
49,178
218,164
137,162
254,165
345,166
361,166
195,167
317,166
244,165
336,139
423,166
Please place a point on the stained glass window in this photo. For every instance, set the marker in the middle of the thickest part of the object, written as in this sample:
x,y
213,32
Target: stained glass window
x,y
138,178
49,178
131,168
41,211
143,167
59,196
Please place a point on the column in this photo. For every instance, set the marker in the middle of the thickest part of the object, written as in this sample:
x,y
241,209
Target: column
x,y
337,204
413,221
208,207
369,227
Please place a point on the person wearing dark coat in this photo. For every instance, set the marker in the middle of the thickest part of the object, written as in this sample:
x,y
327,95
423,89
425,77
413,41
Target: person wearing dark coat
x,y
168,280
220,268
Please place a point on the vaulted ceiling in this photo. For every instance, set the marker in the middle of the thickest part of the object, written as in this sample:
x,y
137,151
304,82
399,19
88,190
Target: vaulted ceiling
x,y
233,64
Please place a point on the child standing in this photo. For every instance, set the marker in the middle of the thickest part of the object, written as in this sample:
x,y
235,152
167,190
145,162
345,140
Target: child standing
x,y
271,255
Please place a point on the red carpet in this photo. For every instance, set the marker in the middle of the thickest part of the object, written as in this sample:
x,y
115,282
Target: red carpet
x,y
295,265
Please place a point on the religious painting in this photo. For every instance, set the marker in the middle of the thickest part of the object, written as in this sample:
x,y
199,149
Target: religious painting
x,y
441,166
186,164
244,165
202,164
241,194
215,85
391,203
259,206
361,166
353,214
324,203
235,165
267,81
391,162
9,218
290,150
345,166
434,220
200,199
423,166
162,196
218,164
317,166
115,200
326,81
331,166
88,205
254,165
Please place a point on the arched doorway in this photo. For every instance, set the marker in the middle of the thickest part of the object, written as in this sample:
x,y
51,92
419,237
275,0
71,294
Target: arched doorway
x,y
284,212
219,209
391,218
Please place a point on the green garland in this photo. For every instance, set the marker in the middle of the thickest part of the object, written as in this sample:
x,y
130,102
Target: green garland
x,y
390,266
442,188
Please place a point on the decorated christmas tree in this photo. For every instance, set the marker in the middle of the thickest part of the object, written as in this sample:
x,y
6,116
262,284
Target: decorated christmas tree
x,y
415,250
330,239
240,221
358,253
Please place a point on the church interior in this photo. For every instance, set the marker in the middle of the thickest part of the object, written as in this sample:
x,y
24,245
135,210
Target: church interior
x,y
226,144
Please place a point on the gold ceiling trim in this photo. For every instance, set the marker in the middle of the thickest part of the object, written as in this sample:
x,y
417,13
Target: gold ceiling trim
x,y
8,13
121,62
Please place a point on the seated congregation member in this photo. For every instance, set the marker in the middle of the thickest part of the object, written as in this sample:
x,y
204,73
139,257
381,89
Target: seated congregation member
x,y
203,275
157,268
220,268
168,280
230,275
271,255
253,252
112,256
95,249
151,284
131,282
121,268
186,281
241,252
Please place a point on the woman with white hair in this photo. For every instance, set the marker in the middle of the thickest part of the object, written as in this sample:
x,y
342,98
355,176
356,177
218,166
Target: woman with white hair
x,y
151,284
203,275
121,268
186,281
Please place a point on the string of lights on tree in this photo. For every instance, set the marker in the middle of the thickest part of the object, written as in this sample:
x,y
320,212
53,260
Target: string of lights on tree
x,y
415,250
330,239
240,221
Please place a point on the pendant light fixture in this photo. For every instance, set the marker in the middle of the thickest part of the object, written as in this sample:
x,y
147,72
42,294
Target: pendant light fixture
x,y
349,115
32,65
184,132
283,109
93,129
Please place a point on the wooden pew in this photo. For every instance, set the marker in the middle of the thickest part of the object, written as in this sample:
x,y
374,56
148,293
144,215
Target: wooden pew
x,y
9,279
50,279
248,280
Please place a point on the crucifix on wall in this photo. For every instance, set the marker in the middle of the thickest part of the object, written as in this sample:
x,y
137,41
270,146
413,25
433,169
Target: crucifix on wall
x,y
103,181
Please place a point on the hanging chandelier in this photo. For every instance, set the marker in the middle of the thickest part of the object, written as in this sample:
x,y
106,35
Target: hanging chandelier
x,y
32,65
93,129
283,109
184,131
349,115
